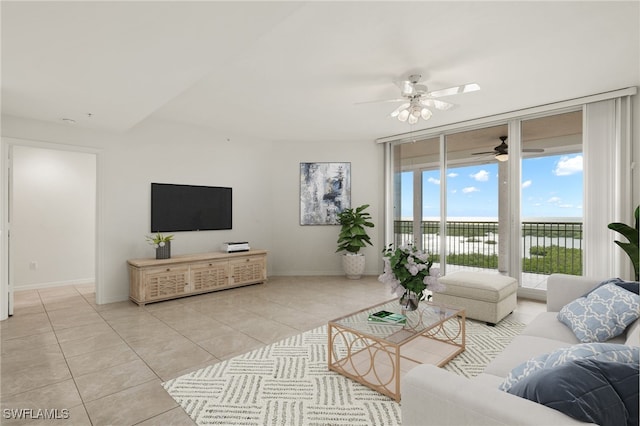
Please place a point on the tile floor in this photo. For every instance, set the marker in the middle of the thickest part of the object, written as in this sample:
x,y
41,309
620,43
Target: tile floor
x,y
105,363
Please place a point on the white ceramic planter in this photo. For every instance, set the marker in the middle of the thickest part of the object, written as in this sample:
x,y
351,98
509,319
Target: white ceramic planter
x,y
353,265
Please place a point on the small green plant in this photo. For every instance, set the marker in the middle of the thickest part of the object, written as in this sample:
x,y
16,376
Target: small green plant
x,y
353,234
631,247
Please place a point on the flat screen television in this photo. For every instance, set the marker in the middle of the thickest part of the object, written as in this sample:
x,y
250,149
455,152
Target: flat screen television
x,y
190,207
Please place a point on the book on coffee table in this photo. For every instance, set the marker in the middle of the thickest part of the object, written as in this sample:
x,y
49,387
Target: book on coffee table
x,y
387,317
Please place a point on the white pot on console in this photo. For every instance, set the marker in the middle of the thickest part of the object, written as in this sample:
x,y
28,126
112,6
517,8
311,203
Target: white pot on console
x,y
353,264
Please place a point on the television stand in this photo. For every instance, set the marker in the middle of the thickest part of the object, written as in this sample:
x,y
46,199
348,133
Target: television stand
x,y
155,280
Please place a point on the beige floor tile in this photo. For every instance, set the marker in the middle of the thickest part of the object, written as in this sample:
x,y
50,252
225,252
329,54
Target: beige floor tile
x,y
71,317
268,331
22,345
120,310
131,406
58,395
101,359
114,379
27,302
25,325
67,302
230,344
200,330
176,359
103,338
14,361
174,417
35,376
82,331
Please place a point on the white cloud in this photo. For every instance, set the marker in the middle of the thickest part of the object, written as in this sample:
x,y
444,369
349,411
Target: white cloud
x,y
452,174
434,181
470,189
554,200
568,165
526,184
481,176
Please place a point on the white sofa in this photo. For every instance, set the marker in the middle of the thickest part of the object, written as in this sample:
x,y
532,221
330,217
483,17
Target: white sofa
x,y
434,396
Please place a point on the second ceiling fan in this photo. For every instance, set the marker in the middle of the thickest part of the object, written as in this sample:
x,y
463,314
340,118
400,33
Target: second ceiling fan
x,y
501,152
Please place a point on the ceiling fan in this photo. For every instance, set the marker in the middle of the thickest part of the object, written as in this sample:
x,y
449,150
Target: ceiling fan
x,y
502,151
417,99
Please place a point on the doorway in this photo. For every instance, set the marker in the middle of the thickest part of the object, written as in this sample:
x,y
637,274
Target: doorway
x,y
51,217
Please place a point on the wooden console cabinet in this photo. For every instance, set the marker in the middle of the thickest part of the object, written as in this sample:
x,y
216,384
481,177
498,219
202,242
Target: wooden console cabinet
x,y
153,280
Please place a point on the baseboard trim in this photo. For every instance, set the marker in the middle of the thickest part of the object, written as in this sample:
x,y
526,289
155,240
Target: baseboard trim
x,y
39,286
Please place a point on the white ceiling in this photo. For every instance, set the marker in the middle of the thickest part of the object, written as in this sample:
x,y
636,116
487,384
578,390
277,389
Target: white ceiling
x,y
293,71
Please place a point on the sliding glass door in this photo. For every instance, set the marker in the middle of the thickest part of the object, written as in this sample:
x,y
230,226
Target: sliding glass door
x,y
474,204
551,209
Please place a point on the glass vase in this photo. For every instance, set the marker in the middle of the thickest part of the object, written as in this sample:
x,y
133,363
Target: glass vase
x,y
409,301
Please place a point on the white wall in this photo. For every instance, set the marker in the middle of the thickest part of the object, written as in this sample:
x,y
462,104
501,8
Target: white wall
x,y
264,177
310,250
53,221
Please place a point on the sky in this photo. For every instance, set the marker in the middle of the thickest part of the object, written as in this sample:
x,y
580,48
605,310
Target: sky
x,y
551,187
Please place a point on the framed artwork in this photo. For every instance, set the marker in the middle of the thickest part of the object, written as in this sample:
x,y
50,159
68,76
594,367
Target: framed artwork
x,y
325,191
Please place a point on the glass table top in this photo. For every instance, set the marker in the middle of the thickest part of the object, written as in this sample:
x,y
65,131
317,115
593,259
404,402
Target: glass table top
x,y
428,316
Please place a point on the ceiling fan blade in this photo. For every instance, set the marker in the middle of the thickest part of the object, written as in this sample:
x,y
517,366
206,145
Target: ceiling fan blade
x,y
400,108
465,88
437,104
483,153
406,87
533,150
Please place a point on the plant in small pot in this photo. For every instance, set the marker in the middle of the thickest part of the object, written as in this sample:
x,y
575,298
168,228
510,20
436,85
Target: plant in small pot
x,y
353,236
162,244
631,234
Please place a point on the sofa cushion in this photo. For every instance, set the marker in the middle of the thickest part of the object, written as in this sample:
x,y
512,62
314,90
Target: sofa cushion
x,y
632,286
546,325
590,390
598,351
604,313
519,350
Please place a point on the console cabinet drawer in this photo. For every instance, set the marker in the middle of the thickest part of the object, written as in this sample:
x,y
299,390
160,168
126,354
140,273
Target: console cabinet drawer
x,y
249,270
154,280
209,276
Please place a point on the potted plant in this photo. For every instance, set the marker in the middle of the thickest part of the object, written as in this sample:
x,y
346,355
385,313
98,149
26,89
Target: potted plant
x,y
631,248
353,236
162,244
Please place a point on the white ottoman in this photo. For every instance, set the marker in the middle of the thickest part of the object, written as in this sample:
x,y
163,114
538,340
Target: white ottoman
x,y
485,297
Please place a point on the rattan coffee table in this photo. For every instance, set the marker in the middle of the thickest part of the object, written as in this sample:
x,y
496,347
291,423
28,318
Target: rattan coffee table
x,y
378,354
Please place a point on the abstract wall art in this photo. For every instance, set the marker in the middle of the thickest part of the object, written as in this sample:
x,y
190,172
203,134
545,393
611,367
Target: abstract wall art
x,y
325,191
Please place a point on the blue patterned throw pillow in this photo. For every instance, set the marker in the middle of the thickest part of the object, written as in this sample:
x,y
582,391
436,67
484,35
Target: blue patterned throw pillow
x,y
605,313
598,351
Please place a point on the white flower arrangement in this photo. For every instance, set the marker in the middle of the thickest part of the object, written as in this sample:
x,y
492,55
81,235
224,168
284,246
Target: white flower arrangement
x,y
407,269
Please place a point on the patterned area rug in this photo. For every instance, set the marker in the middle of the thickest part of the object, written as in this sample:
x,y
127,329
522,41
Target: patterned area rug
x,y
288,383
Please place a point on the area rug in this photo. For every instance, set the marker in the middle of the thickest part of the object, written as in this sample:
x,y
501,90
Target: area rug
x,y
288,383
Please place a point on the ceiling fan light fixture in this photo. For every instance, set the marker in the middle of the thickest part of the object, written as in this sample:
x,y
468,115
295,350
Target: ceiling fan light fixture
x,y
425,114
502,156
413,119
403,115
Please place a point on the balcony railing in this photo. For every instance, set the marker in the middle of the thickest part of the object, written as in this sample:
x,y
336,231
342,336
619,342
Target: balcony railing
x,y
547,247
